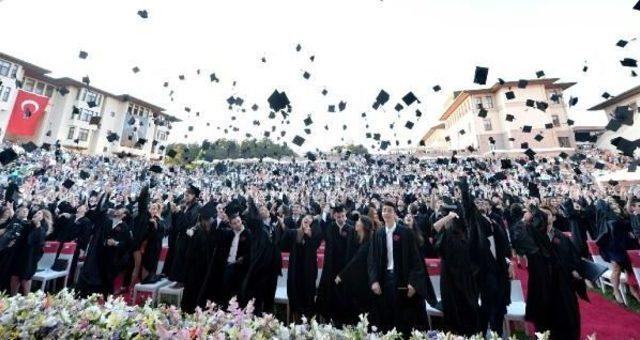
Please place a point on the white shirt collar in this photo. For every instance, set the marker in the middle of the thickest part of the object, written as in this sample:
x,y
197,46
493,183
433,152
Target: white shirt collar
x,y
390,230
239,231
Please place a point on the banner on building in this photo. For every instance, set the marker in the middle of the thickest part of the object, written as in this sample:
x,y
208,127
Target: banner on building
x,y
27,113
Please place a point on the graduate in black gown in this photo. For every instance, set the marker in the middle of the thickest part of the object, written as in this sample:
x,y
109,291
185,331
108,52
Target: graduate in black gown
x,y
153,242
198,256
572,213
261,280
302,244
397,276
91,278
458,286
183,220
115,254
354,276
28,252
341,243
140,228
554,279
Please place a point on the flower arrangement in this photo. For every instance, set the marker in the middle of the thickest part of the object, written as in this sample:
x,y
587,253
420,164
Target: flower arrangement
x,y
61,316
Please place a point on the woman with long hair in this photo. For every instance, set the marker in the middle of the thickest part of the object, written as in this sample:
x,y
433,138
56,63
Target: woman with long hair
x,y
28,252
354,275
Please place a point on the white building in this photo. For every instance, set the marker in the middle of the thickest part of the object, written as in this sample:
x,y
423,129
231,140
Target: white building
x,y
630,99
83,117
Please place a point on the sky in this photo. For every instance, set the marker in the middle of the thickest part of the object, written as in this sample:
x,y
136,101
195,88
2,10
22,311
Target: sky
x,y
360,47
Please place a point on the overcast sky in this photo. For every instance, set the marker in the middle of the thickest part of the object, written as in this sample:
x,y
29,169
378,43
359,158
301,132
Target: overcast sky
x,y
360,47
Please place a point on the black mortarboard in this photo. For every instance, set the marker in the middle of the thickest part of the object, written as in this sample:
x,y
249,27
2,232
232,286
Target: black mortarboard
x,y
437,88
522,83
171,153
510,117
324,92
376,136
510,95
524,145
297,140
29,147
84,174
342,105
208,210
606,95
7,156
482,113
530,103
540,74
526,129
135,69
613,125
331,108
410,98
112,137
409,125
143,14
46,146
573,101
563,155
538,137
505,164
629,62
542,106
298,48
637,8
306,75
155,168
599,165
86,80
613,183
418,113
95,120
399,107
624,114
447,138
591,270
311,156
548,126
530,153
462,132
381,99
141,141
194,190
480,76
570,122
621,43
278,100
83,55
68,183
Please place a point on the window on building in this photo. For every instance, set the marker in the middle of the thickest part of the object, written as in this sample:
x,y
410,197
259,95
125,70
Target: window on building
x,y
555,119
478,102
83,135
85,115
487,125
39,88
6,91
72,132
49,91
28,85
162,135
564,142
93,97
554,94
488,102
14,71
5,68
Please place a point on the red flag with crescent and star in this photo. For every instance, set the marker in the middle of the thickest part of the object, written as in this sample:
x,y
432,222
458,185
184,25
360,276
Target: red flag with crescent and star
x,y
27,112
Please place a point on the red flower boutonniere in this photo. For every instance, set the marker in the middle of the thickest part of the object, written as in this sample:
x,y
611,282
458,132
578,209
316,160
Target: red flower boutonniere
x,y
396,238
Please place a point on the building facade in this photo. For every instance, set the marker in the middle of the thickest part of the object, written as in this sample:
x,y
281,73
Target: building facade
x,y
629,130
81,117
494,119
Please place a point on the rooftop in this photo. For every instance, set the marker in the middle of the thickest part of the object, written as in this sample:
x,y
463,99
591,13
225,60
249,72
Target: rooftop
x,y
617,99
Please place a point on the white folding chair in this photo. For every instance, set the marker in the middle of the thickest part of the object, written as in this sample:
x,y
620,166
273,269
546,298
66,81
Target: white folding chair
x,y
49,257
152,288
48,275
431,310
281,297
170,295
516,310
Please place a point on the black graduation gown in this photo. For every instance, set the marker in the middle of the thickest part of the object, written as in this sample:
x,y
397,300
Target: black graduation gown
x,y
116,258
198,257
260,282
340,246
183,221
458,287
92,275
551,296
28,251
409,268
354,279
12,232
303,268
153,248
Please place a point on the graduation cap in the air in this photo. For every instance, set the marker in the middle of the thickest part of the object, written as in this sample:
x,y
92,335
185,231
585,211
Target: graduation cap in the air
x,y
297,140
84,174
505,164
522,83
86,80
95,120
331,108
530,103
542,106
83,55
482,113
510,117
530,153
624,114
155,168
68,183
629,62
324,92
524,145
613,125
342,105
143,14
409,125
480,76
381,99
606,95
135,69
278,100
538,137
526,129
621,43
7,156
29,147
171,153
410,98
399,107
112,137
306,75
213,78
548,126
540,74
510,95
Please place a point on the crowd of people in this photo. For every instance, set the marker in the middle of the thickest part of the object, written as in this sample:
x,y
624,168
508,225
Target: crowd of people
x,y
377,216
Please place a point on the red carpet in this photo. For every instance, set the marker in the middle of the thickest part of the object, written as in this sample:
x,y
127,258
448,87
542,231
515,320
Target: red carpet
x,y
603,317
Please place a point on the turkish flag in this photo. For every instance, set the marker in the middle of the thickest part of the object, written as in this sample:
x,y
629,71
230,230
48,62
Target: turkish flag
x,y
27,113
